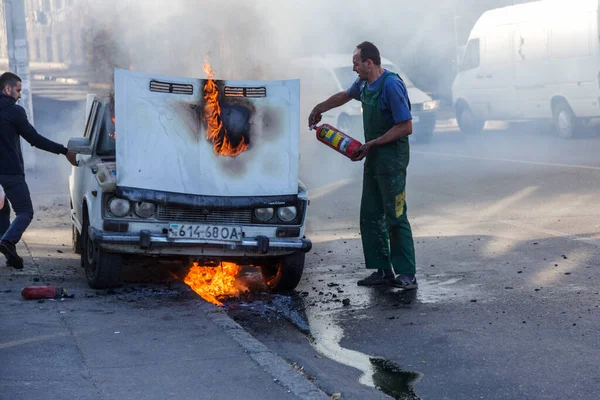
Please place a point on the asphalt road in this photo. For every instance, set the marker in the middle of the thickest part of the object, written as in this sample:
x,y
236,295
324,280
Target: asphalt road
x,y
506,225
506,228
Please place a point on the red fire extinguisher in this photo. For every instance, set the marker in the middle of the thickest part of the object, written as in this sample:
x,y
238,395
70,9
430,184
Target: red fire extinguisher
x,y
336,139
43,292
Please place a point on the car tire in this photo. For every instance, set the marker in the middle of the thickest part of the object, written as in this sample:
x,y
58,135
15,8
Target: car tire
x,y
284,273
76,239
102,268
468,121
565,122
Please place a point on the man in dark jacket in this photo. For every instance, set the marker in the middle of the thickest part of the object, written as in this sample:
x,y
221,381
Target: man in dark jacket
x,y
13,126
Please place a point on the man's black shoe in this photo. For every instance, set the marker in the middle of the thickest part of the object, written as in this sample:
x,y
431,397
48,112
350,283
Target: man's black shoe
x,y
407,282
10,252
379,277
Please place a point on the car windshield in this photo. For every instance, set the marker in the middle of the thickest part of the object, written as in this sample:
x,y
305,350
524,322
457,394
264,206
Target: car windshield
x,y
108,137
347,76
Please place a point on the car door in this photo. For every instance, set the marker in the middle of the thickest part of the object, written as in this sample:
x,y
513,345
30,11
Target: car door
x,y
469,84
82,173
498,73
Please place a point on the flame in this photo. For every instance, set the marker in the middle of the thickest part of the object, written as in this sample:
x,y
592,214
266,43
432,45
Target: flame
x,y
212,283
113,135
215,131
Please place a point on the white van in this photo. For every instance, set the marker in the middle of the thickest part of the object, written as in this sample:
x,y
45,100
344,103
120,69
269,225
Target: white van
x,y
323,76
537,60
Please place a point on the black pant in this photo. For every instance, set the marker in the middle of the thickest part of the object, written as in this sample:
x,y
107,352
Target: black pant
x,y
17,193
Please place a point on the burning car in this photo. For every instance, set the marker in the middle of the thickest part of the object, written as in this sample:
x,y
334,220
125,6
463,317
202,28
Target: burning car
x,y
199,170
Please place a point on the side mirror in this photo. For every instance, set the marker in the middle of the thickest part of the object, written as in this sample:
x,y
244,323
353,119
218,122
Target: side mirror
x,y
80,145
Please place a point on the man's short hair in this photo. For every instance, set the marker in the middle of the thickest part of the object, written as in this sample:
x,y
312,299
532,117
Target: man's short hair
x,y
368,51
9,79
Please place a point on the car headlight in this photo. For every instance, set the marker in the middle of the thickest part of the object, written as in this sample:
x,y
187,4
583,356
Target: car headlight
x,y
119,207
287,214
431,105
264,214
144,210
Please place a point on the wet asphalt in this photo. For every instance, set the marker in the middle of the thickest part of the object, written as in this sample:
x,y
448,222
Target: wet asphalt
x,y
506,231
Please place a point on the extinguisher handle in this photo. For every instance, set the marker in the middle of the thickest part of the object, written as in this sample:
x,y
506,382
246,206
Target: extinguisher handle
x,y
313,126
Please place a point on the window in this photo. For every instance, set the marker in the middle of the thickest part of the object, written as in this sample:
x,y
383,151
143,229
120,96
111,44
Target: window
x,y
91,120
107,135
472,56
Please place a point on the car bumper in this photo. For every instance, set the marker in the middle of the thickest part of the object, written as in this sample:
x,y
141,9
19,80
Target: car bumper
x,y
146,242
424,120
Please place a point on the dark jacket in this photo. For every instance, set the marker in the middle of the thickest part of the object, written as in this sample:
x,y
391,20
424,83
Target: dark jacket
x,y
13,124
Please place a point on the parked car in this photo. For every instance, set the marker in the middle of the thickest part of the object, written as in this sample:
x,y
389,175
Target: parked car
x,y
537,60
323,76
156,185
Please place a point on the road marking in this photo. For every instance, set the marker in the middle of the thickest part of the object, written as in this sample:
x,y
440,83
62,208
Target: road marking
x,y
541,163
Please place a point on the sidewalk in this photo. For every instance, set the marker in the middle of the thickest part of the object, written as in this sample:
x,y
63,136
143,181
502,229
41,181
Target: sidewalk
x,y
141,341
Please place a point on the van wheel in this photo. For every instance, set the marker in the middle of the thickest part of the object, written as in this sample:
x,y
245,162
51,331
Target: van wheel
x,y
565,123
283,274
467,121
102,269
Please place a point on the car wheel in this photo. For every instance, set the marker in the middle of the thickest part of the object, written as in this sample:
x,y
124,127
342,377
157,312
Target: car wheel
x,y
565,123
102,269
283,274
76,239
468,121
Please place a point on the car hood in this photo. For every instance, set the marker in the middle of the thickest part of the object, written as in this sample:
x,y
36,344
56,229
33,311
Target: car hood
x,y
417,96
168,140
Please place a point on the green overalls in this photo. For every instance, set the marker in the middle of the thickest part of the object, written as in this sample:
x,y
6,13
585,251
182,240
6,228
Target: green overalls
x,y
386,233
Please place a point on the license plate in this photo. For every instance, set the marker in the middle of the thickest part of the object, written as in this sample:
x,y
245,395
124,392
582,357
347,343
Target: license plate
x,y
415,119
206,232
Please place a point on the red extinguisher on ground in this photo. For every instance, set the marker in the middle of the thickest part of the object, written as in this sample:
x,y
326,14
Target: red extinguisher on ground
x,y
43,292
336,139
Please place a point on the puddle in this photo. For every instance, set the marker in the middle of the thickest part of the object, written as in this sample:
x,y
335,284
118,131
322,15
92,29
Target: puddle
x,y
316,316
326,302
378,373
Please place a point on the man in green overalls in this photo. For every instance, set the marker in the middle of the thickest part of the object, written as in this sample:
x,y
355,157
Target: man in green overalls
x,y
386,234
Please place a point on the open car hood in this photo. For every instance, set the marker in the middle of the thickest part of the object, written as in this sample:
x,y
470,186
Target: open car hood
x,y
164,127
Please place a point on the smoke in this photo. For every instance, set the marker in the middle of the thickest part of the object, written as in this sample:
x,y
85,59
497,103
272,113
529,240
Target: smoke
x,y
258,39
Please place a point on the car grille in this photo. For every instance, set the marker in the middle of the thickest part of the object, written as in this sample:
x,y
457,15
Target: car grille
x,y
417,107
202,215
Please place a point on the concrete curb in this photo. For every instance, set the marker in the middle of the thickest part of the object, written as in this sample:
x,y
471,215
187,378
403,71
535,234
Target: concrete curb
x,y
279,369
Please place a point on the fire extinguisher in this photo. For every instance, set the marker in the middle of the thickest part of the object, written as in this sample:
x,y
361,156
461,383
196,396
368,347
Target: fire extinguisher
x,y
43,292
336,139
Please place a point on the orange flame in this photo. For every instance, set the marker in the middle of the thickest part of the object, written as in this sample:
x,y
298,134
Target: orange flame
x,y
212,283
215,131
113,135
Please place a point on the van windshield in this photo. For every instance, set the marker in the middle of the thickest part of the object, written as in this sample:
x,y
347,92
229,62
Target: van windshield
x,y
347,76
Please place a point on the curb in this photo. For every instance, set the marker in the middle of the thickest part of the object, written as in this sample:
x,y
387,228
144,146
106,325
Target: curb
x,y
281,371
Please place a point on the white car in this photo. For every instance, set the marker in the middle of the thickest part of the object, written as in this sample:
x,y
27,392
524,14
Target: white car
x,y
159,186
323,76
